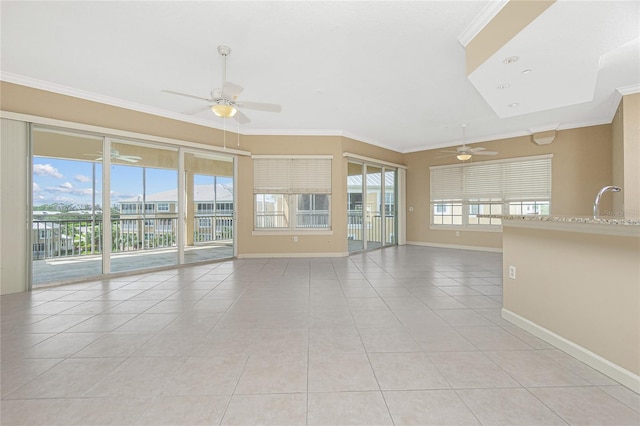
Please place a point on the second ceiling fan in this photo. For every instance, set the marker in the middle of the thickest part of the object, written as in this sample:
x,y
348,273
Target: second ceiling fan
x,y
464,152
224,101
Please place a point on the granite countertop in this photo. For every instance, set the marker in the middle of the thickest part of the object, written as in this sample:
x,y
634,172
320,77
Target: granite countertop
x,y
601,220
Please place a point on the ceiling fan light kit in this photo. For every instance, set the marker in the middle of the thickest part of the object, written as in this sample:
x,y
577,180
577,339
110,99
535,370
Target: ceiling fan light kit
x,y
463,157
224,110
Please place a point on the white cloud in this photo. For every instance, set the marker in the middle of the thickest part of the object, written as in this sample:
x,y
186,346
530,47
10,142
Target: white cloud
x,y
64,188
46,170
36,187
82,178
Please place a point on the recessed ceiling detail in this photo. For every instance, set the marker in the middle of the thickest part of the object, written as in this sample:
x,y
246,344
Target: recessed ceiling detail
x,y
567,57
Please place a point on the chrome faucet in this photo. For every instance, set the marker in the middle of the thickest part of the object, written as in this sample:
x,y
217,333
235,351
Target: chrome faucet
x,y
596,203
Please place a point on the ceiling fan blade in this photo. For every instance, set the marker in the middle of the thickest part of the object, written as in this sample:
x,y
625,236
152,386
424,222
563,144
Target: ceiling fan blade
x,y
128,159
478,148
241,118
193,111
188,95
485,153
448,155
452,152
260,106
231,90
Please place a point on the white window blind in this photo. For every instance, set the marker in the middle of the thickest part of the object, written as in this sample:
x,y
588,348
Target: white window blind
x,y
527,178
292,175
446,183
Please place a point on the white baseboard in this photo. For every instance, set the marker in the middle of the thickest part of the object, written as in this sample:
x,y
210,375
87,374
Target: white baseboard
x,y
617,373
455,246
284,255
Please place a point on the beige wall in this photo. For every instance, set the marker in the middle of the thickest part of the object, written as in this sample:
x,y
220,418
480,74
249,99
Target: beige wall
x,y
256,245
40,103
631,137
581,165
25,100
582,287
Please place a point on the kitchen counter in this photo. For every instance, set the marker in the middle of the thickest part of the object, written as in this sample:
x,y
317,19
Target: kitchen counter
x,y
606,225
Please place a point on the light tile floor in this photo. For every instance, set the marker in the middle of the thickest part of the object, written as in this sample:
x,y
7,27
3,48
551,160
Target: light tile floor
x,y
403,335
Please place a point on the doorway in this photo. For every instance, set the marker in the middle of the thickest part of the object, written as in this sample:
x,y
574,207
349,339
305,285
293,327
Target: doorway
x,y
371,206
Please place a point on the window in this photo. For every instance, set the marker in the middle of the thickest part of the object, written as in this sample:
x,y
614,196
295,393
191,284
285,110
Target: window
x,y
129,208
149,208
313,211
272,211
292,193
205,208
224,208
163,207
529,207
461,193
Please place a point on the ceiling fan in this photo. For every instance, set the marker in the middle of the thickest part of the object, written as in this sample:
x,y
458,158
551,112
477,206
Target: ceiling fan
x,y
224,103
115,155
464,152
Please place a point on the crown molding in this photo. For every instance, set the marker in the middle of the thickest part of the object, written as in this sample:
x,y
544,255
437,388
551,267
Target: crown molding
x,y
479,22
292,132
515,134
628,90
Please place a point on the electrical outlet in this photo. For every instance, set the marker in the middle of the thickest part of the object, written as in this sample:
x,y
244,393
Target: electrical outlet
x,y
295,239
410,208
457,233
512,272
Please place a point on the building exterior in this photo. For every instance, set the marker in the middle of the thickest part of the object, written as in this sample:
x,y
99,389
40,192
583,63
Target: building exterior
x,y
150,221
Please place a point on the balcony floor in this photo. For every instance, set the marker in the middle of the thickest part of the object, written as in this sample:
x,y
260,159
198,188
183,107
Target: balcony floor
x,y
67,269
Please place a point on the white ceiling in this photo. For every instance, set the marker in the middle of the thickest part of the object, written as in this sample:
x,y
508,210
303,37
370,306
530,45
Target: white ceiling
x,y
387,73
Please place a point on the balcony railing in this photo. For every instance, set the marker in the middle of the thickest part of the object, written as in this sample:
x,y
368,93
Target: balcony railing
x,y
370,226
208,228
82,237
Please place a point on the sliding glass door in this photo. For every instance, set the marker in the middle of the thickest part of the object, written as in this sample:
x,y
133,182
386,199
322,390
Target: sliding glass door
x,y
103,205
209,207
373,207
144,206
371,204
355,219
66,221
390,211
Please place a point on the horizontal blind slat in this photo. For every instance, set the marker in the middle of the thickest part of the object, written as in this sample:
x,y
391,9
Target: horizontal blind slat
x,y
518,179
291,176
446,183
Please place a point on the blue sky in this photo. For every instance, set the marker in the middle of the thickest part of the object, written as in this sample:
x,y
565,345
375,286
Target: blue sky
x,y
70,182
